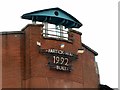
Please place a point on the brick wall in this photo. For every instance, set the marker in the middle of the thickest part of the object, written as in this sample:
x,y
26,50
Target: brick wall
x,y
27,68
91,78
11,61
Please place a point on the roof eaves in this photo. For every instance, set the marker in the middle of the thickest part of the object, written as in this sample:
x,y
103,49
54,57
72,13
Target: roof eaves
x,y
11,32
94,52
75,20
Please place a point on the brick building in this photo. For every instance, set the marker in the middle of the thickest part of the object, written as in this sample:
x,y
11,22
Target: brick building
x,y
40,56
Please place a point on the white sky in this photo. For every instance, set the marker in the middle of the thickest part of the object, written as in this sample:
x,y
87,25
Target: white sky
x,y
99,30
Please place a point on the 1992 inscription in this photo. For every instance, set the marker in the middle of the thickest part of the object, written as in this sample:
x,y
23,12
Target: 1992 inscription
x,y
60,60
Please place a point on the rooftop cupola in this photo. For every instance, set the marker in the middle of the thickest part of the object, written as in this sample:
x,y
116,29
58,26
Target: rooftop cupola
x,y
54,16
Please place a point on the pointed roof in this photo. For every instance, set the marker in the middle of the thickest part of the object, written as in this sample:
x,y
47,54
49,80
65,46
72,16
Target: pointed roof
x,y
55,16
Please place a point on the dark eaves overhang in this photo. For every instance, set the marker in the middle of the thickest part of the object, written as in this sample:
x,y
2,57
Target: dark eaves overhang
x,y
11,32
91,50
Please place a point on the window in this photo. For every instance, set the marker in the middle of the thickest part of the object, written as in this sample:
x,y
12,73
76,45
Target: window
x,y
55,31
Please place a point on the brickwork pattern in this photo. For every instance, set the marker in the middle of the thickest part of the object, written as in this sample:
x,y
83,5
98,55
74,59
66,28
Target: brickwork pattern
x,y
24,67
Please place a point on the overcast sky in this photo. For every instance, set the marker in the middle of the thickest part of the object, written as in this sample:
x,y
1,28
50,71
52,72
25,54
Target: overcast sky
x,y
99,30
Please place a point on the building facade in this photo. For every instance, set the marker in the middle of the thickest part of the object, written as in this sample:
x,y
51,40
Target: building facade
x,y
40,57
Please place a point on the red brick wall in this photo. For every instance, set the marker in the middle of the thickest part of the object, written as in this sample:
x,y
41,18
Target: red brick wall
x,y
90,76
11,61
27,68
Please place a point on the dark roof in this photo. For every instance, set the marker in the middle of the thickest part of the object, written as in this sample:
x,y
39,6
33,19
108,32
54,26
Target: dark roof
x,y
55,16
105,87
71,30
11,32
94,52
